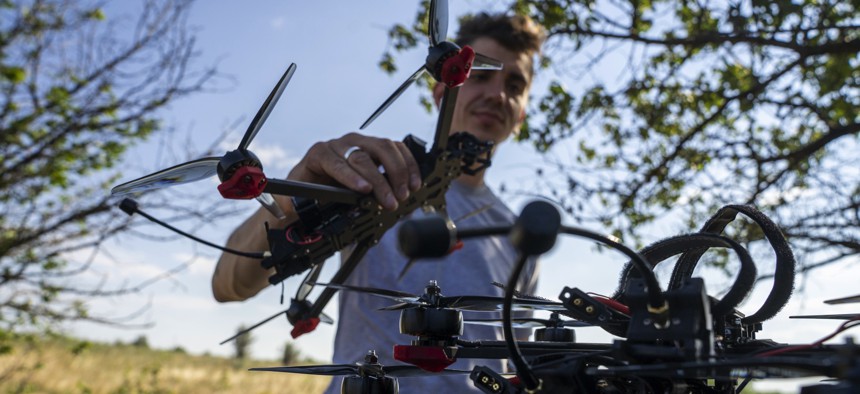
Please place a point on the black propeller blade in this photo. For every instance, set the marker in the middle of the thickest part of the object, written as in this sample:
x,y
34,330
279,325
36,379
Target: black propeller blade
x,y
845,300
836,316
436,300
323,319
397,371
529,322
445,61
370,367
227,166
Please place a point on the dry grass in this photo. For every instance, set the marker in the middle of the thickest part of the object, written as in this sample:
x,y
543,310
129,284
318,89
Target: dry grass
x,y
59,365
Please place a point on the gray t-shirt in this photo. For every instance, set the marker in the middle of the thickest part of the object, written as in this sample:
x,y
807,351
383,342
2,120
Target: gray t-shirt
x,y
468,271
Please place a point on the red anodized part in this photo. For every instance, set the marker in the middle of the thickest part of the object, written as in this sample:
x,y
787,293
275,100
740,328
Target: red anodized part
x,y
428,358
246,183
304,326
456,69
457,246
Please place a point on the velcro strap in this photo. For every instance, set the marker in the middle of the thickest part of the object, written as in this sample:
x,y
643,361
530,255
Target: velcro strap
x,y
682,244
783,284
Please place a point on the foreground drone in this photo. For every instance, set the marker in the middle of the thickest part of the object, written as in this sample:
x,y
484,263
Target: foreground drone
x,y
703,344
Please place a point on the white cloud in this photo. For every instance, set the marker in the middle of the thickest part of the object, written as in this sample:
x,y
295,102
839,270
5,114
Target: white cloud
x,y
170,302
277,23
119,264
197,265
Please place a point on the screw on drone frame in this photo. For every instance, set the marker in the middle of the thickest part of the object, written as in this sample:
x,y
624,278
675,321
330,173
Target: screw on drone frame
x,y
446,62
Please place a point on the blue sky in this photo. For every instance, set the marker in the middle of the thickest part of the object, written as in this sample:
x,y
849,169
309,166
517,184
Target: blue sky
x,y
336,45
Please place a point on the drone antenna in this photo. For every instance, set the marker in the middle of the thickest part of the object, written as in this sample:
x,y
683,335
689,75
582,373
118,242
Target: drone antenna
x,y
130,207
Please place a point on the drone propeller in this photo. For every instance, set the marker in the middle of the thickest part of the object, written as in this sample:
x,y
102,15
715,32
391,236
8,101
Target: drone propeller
x,y
837,316
240,171
433,298
446,62
845,300
398,371
323,319
529,322
370,367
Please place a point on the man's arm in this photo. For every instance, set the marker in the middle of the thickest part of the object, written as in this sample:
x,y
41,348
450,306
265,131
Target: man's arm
x,y
238,278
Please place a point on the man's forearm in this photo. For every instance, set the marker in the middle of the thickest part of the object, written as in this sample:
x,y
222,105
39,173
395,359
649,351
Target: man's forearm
x,y
237,278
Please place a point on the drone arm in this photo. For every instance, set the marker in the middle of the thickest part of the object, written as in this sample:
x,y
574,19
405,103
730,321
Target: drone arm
x,y
446,115
288,187
340,277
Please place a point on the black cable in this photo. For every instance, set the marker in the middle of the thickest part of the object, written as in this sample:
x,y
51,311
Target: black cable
x,y
483,232
524,372
130,207
743,384
655,294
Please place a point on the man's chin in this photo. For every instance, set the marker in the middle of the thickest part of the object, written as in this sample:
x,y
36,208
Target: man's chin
x,y
488,135
482,132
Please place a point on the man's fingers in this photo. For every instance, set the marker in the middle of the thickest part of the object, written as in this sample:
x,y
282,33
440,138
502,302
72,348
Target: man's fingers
x,y
411,165
324,161
365,164
386,153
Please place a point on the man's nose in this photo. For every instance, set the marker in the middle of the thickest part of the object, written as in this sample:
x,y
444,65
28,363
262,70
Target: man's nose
x,y
495,89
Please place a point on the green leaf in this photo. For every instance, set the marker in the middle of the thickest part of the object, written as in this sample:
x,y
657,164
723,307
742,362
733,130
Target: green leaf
x,y
13,74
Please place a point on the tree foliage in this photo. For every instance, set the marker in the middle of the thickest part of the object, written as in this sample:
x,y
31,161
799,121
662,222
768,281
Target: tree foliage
x,y
76,91
678,106
291,353
242,344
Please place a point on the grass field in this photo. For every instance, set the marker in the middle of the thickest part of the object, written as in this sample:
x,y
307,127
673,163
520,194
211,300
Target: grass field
x,y
62,365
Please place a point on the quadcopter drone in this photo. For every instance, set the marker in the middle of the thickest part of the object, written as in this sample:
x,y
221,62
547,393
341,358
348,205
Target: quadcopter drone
x,y
331,218
678,340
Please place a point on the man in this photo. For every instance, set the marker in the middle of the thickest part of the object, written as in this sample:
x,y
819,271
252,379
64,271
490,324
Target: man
x,y
491,105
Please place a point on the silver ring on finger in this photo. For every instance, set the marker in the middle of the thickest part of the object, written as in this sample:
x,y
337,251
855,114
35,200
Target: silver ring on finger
x,y
349,151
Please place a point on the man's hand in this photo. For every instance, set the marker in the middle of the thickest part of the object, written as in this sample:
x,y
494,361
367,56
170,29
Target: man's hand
x,y
326,163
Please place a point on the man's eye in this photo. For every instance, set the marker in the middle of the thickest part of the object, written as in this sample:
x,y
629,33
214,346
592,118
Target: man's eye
x,y
480,76
515,87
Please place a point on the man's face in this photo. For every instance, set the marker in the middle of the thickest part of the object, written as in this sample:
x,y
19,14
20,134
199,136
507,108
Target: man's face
x,y
491,104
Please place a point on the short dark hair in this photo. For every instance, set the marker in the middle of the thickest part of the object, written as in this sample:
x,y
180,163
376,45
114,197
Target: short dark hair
x,y
517,33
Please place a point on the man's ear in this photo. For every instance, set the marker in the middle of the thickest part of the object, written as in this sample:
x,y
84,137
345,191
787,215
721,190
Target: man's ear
x,y
438,91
